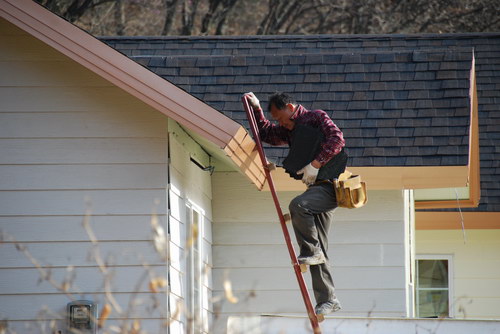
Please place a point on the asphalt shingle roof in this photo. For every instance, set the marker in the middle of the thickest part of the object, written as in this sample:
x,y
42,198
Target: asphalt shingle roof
x,y
401,100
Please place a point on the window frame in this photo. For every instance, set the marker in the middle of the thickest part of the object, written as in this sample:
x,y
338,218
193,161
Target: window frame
x,y
451,289
194,270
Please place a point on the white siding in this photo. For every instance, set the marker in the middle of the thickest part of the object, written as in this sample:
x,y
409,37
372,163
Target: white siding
x,y
71,145
366,247
476,264
189,185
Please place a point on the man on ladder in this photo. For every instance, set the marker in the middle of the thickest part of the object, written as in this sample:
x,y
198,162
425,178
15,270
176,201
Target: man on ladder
x,y
316,157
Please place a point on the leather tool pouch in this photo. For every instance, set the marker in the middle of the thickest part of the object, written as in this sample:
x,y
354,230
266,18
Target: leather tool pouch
x,y
350,191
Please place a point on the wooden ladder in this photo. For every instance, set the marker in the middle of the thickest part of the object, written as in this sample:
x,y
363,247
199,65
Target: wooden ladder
x,y
298,269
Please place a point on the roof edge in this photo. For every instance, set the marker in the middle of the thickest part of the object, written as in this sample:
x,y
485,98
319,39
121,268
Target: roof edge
x,y
391,178
315,36
453,220
473,166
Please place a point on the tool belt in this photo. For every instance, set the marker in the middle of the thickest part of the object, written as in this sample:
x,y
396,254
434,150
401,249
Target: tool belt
x,y
350,191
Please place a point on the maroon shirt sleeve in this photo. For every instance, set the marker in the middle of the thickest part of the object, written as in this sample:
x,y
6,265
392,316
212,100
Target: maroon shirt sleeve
x,y
271,133
334,138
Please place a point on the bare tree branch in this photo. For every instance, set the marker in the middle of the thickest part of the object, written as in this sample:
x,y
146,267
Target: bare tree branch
x,y
189,17
170,6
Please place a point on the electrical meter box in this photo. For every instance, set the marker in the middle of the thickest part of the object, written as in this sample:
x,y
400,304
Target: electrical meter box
x,y
82,317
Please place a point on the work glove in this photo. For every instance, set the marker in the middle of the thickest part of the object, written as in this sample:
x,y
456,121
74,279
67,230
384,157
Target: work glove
x,y
253,100
310,173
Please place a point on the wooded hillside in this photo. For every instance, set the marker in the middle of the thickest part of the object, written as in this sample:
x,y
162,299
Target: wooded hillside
x,y
274,17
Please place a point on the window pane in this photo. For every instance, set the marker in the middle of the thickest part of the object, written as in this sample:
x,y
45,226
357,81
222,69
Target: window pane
x,y
433,304
433,274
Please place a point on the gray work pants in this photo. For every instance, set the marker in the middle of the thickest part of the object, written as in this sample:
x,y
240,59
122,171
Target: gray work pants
x,y
312,215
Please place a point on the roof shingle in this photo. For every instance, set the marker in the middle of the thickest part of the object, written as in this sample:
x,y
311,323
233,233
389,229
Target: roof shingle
x,y
401,100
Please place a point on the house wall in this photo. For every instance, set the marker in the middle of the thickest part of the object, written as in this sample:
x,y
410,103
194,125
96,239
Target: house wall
x,y
476,268
190,186
366,248
72,145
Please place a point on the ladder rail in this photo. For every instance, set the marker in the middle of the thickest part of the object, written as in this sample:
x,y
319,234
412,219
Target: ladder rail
x,y
300,279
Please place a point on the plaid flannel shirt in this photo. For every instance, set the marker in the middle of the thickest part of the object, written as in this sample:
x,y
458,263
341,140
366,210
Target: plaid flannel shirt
x,y
278,135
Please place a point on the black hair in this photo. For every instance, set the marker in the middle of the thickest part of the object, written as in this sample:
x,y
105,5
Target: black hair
x,y
280,100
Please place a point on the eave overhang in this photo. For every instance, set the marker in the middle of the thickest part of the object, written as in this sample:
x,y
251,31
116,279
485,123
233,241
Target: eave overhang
x,y
473,167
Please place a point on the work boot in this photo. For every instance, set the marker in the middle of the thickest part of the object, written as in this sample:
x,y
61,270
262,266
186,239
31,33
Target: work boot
x,y
328,307
313,260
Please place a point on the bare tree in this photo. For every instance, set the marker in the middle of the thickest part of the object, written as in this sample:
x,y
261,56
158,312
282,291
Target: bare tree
x,y
218,11
279,13
119,17
239,17
74,9
189,9
170,13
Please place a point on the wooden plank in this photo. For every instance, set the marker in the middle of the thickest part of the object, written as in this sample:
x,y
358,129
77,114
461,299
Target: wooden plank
x,y
242,256
60,254
102,124
392,178
34,326
207,230
341,232
48,74
82,150
177,204
23,47
206,254
66,99
68,177
453,220
70,228
177,232
471,268
177,257
474,236
27,307
87,280
207,304
478,288
185,147
370,302
182,151
177,282
473,308
208,280
275,279
469,249
229,188
190,191
73,202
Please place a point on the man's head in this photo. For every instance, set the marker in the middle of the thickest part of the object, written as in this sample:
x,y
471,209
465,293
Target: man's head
x,y
282,107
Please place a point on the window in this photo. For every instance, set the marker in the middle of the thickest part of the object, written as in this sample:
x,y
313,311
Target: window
x,y
194,305
433,293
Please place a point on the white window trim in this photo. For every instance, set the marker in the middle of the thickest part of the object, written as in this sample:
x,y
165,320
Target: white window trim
x,y
196,305
451,278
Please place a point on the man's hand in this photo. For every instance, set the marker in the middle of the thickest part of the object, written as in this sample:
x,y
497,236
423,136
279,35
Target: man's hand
x,y
310,173
252,100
